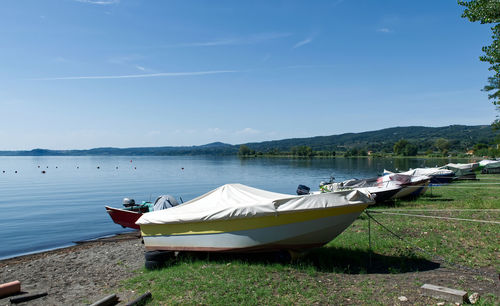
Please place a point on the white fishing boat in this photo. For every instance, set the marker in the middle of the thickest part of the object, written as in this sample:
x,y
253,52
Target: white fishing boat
x,y
239,218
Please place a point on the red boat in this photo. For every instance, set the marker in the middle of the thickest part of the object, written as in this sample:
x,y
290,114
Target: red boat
x,y
124,217
127,216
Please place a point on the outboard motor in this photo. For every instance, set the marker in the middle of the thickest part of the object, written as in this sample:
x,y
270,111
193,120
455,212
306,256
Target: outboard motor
x,y
303,190
128,202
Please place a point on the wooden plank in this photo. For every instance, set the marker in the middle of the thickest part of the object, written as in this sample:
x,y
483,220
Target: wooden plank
x,y
27,297
140,300
447,294
109,300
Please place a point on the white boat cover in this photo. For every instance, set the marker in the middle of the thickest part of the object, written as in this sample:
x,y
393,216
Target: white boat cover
x,y
401,179
470,166
232,201
487,161
425,172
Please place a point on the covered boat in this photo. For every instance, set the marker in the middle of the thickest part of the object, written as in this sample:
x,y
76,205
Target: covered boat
x,y
491,168
239,218
383,191
436,175
463,171
413,186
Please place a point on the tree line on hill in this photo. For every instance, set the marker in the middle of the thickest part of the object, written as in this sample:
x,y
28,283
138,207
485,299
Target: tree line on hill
x,y
403,141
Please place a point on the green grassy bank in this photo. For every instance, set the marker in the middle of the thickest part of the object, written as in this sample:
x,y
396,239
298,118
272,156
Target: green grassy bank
x,y
457,253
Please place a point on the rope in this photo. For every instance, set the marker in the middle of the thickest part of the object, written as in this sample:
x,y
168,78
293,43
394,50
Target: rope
x,y
436,217
439,210
431,255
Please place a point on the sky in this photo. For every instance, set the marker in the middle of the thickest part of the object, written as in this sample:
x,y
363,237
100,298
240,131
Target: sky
x,y
79,74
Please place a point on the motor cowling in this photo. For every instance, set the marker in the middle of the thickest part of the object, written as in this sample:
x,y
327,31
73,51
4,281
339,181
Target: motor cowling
x,y
127,202
303,189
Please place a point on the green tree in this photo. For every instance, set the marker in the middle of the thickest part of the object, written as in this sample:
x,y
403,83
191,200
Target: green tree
x,y
488,12
399,146
302,151
442,145
410,150
244,150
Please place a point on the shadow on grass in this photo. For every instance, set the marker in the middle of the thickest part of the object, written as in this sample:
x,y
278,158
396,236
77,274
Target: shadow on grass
x,y
325,259
341,260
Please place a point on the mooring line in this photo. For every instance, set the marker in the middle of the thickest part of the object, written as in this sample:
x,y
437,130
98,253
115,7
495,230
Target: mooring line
x,y
432,255
442,210
434,217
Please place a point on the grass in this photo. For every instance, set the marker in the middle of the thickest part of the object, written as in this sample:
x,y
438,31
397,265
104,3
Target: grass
x,y
345,271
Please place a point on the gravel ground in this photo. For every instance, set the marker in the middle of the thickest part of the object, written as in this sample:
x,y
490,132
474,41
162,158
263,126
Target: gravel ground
x,y
77,275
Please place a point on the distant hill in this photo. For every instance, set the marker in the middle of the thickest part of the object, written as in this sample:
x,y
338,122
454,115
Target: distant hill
x,y
461,137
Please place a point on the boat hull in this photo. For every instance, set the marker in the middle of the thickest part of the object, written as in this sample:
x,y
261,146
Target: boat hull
x,y
412,190
294,230
125,218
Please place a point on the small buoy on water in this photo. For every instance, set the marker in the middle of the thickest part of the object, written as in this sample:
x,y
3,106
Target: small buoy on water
x,y
116,167
135,167
47,167
15,171
38,166
43,171
56,167
98,167
182,168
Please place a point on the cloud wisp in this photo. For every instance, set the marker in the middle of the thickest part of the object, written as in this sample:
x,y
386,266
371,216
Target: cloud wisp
x,y
384,30
136,76
99,2
303,43
249,40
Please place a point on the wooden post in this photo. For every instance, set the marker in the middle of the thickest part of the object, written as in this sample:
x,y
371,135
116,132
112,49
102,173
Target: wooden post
x,y
447,294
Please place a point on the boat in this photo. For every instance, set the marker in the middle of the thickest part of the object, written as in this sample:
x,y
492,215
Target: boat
x,y
491,168
382,191
463,171
413,186
437,175
131,212
240,218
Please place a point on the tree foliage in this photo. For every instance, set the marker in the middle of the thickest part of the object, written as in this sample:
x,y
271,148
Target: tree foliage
x,y
488,12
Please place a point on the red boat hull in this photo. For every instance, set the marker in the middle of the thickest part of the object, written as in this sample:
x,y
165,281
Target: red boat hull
x,y
125,218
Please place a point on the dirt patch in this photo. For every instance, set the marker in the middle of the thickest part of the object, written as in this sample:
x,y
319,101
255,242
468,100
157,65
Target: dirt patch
x,y
76,275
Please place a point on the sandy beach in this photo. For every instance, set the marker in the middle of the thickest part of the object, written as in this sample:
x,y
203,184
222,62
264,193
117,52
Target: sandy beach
x,y
77,275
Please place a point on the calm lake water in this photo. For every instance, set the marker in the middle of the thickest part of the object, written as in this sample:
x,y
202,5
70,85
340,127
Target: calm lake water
x,y
66,204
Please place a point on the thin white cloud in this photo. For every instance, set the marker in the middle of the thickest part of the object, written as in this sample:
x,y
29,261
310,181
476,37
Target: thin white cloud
x,y
303,43
252,39
140,68
247,131
132,76
384,30
99,2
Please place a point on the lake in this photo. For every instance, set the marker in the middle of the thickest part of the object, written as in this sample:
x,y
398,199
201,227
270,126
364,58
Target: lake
x,y
42,211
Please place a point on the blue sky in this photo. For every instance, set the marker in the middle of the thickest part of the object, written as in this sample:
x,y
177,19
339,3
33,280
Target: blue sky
x,y
80,74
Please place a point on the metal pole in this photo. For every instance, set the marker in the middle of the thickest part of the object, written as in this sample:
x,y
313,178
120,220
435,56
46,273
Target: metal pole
x,y
369,243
